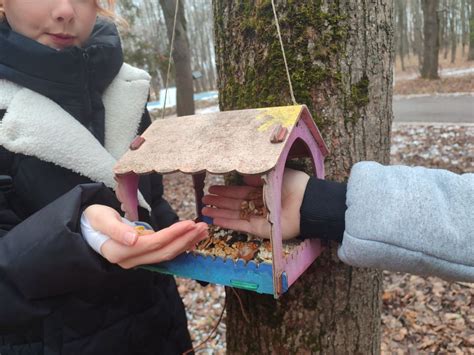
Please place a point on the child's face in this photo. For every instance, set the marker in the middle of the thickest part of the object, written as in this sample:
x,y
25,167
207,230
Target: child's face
x,y
55,23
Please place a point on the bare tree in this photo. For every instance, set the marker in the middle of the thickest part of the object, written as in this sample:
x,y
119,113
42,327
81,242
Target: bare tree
x,y
470,56
181,57
443,26
417,31
452,30
340,56
401,33
464,28
203,42
429,70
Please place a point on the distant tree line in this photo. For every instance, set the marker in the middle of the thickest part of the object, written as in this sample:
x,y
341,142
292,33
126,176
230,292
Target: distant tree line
x,y
428,28
425,29
146,42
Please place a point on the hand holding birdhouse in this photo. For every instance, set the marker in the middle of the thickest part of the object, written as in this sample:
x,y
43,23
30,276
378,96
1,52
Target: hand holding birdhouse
x,y
235,208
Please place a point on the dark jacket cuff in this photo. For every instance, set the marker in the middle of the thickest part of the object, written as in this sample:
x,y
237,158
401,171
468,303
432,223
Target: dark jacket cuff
x,y
322,211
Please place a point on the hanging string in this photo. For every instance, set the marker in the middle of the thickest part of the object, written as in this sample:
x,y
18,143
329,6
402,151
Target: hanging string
x,y
169,58
284,54
164,107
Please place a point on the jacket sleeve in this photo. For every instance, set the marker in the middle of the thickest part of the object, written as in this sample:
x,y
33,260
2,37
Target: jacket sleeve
x,y
410,219
322,210
45,255
162,215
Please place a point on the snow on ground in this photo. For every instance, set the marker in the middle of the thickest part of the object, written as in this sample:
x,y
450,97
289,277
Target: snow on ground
x,y
448,72
436,94
456,71
171,98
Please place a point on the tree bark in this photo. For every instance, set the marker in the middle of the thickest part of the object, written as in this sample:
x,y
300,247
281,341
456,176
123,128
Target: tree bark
x,y
400,37
464,32
340,56
444,33
417,32
429,70
181,57
452,31
470,55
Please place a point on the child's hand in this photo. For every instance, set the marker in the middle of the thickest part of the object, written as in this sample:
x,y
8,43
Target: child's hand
x,y
108,221
228,200
127,249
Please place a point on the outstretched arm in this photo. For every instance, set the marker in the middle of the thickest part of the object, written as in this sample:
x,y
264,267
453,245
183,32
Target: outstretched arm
x,y
399,218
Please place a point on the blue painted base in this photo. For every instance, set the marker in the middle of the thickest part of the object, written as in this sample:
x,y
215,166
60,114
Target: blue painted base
x,y
250,276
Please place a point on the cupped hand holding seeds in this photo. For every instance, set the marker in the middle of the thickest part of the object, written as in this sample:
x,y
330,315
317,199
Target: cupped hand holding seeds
x,y
129,247
241,207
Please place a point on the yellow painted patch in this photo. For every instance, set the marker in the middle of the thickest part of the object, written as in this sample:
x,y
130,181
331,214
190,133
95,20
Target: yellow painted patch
x,y
284,115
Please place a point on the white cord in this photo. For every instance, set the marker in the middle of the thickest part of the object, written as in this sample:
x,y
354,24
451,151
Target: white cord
x,y
284,55
169,58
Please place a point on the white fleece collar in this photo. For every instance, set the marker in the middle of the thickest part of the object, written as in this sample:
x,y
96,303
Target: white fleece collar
x,y
124,102
7,91
35,125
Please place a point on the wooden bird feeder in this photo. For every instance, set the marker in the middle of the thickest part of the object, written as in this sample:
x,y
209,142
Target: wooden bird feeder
x,y
254,141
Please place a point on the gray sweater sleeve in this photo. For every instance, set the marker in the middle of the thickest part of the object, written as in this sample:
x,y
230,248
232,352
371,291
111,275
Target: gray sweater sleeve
x,y
410,219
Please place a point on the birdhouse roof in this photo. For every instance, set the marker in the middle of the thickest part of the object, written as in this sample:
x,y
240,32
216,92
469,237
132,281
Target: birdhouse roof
x,y
218,142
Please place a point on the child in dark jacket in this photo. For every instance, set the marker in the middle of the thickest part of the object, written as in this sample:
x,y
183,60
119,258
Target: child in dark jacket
x,y
69,107
400,218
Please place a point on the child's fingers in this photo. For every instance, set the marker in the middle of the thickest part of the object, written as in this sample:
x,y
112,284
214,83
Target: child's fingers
x,y
220,213
108,221
161,238
253,180
241,225
120,232
168,252
222,202
258,226
235,192
116,252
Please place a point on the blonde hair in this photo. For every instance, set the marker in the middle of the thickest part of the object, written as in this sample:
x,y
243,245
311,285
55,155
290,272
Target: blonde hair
x,y
106,11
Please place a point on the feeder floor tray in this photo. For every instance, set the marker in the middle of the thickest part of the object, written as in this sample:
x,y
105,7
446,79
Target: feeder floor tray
x,y
229,258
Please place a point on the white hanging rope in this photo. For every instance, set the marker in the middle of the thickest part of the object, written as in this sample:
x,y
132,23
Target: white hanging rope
x,y
169,58
284,55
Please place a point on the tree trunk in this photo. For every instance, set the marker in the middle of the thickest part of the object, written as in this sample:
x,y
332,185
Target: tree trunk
x,y
445,28
401,10
340,56
463,27
429,69
470,55
453,35
417,32
181,57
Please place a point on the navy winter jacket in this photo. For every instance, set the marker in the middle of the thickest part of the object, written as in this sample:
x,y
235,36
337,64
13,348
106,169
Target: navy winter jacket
x,y
57,296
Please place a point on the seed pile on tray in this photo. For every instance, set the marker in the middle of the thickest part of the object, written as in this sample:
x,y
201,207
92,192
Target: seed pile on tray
x,y
227,243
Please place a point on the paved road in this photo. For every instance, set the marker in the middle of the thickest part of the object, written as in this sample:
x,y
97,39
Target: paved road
x,y
434,109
